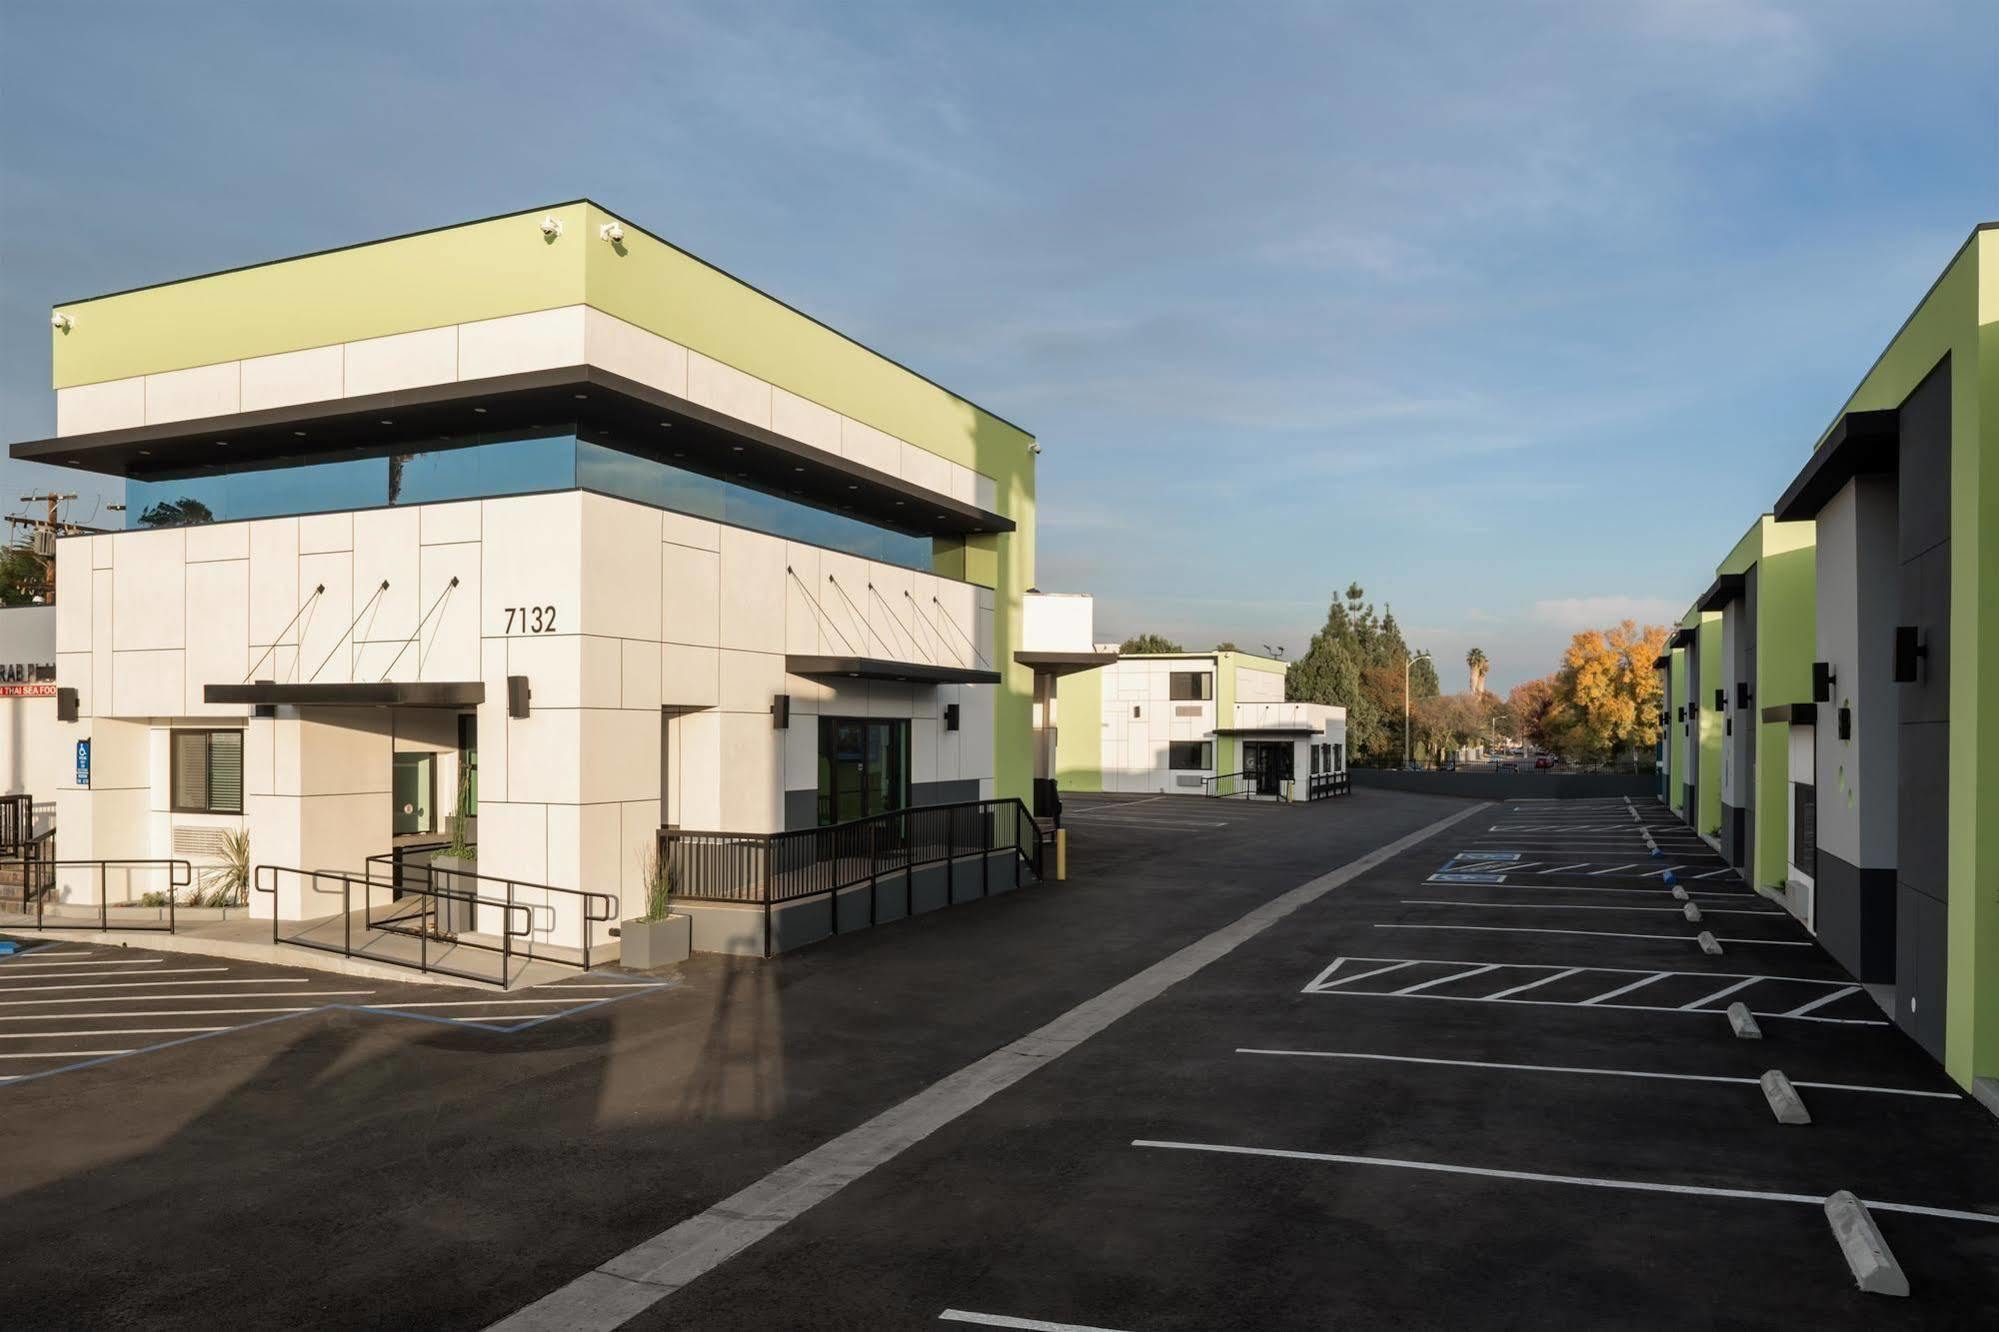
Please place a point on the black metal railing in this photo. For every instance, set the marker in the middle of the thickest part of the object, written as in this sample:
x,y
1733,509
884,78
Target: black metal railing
x,y
17,822
379,916
1326,785
403,875
774,869
128,894
1247,786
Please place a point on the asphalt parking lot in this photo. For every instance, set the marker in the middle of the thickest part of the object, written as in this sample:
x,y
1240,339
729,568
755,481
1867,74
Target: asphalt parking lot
x,y
1406,1105
345,1168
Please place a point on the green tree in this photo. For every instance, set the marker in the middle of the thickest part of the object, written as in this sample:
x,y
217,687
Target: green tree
x,y
22,576
1149,643
1478,664
1226,646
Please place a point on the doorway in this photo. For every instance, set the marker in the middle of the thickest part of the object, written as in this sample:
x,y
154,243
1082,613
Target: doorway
x,y
414,788
1268,766
863,767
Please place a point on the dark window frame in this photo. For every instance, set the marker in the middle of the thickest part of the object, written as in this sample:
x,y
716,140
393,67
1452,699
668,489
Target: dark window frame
x,y
1204,751
1204,686
176,735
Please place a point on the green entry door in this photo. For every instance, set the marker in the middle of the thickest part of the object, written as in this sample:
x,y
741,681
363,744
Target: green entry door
x,y
863,767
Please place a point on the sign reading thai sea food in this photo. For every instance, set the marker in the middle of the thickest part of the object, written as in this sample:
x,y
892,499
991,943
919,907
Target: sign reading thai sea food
x,y
27,679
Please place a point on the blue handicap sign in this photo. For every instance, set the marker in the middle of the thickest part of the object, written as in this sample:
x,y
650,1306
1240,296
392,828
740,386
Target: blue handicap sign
x,y
83,763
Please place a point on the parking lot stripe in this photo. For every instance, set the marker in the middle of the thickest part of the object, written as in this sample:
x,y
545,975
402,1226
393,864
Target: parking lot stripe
x,y
149,1012
72,966
1456,975
1534,984
1594,934
1322,982
1834,997
1001,1320
1627,989
122,1031
1582,1181
63,1054
626,1284
1593,1072
1582,906
182,998
42,983
1612,870
1722,993
1601,1008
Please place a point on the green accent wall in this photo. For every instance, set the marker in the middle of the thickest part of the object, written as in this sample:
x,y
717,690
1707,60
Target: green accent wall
x,y
1707,642
1079,738
1959,318
1786,644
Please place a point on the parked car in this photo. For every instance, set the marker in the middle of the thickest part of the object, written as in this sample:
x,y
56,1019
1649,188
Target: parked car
x,y
1545,761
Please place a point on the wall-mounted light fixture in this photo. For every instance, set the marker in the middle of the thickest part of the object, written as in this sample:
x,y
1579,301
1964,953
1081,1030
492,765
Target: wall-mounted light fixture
x,y
951,716
780,712
1846,723
517,695
1742,693
1721,700
1682,715
66,706
1909,650
1822,681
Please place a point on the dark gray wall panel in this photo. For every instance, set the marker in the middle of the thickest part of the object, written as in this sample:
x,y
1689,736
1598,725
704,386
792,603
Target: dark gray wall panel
x,y
1854,914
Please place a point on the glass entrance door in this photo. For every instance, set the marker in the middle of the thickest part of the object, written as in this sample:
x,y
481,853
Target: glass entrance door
x,y
863,767
1267,765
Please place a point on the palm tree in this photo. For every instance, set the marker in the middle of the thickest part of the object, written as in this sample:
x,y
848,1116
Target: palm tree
x,y
1479,664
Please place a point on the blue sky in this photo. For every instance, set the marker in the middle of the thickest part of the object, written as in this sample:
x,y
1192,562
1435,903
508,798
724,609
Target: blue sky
x,y
1441,298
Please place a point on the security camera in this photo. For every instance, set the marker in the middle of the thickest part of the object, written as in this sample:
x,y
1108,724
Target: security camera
x,y
611,232
1034,449
551,226
61,322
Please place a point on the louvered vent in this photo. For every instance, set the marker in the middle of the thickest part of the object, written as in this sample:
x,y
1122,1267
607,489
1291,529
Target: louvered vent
x,y
198,841
1187,710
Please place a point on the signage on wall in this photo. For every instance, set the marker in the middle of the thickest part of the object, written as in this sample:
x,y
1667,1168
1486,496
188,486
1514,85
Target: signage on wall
x,y
83,763
27,679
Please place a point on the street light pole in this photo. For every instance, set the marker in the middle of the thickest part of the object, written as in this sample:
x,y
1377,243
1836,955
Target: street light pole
x,y
1407,667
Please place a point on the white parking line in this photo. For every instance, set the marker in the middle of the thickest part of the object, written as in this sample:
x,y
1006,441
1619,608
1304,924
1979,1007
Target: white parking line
x,y
1593,1072
1722,993
1585,1181
1001,1320
1583,906
1740,895
1627,989
72,966
181,998
1536,984
122,1031
1595,934
1600,1008
1834,997
143,1013
41,984
1456,975
1379,971
467,1003
62,1054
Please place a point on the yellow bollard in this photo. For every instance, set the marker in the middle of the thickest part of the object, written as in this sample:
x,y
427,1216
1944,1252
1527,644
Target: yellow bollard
x,y
1061,854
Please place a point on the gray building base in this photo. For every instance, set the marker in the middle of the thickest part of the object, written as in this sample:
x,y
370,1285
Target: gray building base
x,y
748,930
1855,916
1734,835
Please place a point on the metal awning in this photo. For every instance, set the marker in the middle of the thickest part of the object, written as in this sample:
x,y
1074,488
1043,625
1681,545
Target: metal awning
x,y
1793,714
367,694
1724,589
607,408
1680,638
877,668
1862,444
1663,663
1064,663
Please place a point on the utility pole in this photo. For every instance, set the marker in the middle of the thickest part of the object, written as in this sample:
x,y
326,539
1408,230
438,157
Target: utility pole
x,y
40,543
1408,666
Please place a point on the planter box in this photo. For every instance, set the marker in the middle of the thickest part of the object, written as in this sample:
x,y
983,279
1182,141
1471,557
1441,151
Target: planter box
x,y
646,944
451,875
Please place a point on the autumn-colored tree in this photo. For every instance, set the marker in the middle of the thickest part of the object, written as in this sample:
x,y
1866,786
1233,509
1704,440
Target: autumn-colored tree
x,y
1531,704
1606,692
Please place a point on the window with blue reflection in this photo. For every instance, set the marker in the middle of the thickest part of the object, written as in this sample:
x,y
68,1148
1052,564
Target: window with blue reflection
x,y
481,467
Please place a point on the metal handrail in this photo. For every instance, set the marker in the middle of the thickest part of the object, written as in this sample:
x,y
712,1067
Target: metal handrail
x,y
774,869
38,874
265,879
610,901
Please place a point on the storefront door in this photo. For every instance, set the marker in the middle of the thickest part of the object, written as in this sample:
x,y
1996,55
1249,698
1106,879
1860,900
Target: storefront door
x,y
863,767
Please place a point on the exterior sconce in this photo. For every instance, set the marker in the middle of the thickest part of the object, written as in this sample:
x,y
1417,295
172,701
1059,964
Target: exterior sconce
x,y
1822,681
780,712
1846,723
1721,700
951,716
1742,693
517,696
1682,716
1909,649
65,704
